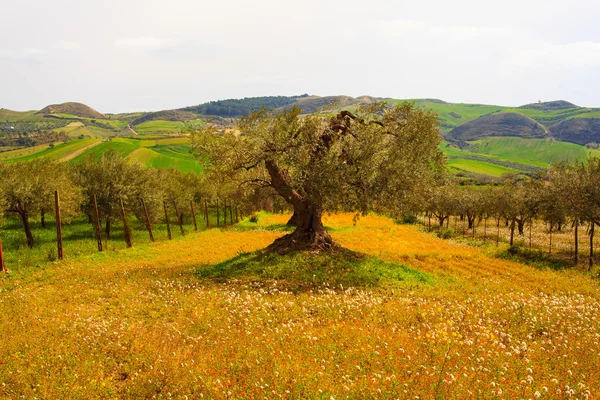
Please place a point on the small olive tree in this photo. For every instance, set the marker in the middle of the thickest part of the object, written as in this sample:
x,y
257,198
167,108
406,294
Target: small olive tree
x,y
29,189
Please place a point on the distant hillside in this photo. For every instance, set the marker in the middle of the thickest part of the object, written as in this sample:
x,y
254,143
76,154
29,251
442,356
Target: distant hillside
x,y
502,124
578,130
167,115
77,109
550,105
232,108
313,103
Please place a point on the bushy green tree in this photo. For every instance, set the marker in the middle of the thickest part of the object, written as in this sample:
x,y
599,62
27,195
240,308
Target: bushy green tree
x,y
29,188
379,158
111,178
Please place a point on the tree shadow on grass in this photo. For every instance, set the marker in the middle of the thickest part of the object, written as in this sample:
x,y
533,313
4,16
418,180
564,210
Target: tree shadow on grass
x,y
303,271
535,258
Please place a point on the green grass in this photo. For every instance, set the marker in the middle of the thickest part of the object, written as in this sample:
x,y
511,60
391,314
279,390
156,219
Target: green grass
x,y
123,147
155,159
10,115
467,112
159,126
455,114
79,237
479,167
58,152
539,152
160,153
24,152
301,271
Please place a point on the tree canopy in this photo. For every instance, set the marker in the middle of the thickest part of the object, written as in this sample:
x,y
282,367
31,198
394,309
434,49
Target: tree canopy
x,y
380,157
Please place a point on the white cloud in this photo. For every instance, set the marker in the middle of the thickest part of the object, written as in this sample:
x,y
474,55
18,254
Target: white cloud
x,y
146,42
404,27
66,45
33,51
577,54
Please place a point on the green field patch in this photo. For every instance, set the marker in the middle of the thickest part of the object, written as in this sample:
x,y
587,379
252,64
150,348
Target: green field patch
x,y
151,158
479,167
58,152
120,146
24,152
159,126
538,152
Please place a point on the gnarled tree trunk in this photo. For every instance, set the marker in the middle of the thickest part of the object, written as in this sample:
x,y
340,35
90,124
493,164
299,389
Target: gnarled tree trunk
x,y
521,226
293,221
310,233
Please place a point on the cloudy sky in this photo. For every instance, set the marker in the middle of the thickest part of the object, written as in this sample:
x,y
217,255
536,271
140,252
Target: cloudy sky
x,y
125,55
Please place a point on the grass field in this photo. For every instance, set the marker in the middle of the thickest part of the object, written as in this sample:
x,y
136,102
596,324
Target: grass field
x,y
167,159
515,155
540,152
206,316
24,152
58,152
156,153
479,167
455,114
159,126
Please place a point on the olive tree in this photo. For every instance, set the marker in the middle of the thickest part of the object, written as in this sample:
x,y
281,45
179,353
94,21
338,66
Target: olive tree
x,y
110,178
373,159
29,189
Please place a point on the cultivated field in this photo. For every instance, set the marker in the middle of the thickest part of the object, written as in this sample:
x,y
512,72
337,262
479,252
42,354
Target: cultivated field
x,y
417,317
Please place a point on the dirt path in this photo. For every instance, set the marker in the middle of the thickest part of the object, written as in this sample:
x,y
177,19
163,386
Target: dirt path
x,y
80,151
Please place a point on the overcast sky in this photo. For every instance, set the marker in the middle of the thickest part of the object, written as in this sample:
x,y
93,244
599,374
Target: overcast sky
x,y
125,55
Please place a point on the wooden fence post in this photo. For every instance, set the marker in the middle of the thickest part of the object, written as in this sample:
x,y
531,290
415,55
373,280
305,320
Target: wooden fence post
x,y
194,215
485,230
206,214
218,215
230,213
97,223
126,230
167,220
179,219
148,225
550,238
59,243
530,227
237,216
592,228
497,232
576,241
2,266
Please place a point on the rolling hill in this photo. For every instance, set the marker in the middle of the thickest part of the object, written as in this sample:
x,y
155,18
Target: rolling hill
x,y
578,130
481,140
500,124
71,108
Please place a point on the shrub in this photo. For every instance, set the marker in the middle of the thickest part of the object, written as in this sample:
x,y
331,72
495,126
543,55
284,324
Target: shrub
x,y
254,218
409,219
446,233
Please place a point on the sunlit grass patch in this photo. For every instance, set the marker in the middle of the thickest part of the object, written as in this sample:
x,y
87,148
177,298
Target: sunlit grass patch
x,y
336,269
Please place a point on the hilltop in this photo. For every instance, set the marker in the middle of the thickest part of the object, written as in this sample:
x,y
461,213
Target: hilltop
x,y
235,108
578,130
550,105
501,124
72,108
167,115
